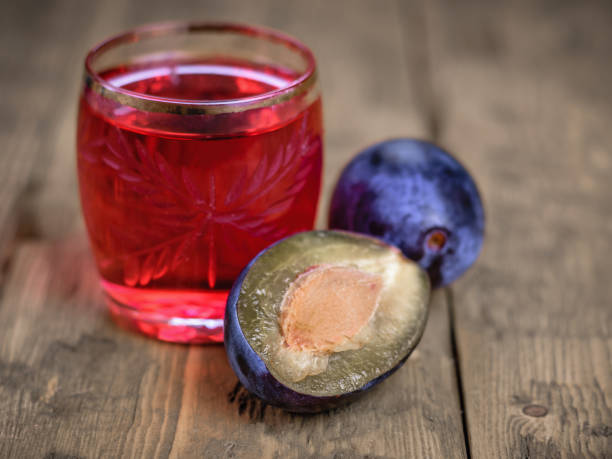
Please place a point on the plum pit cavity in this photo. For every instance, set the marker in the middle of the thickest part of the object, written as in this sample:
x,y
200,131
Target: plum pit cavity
x,y
327,306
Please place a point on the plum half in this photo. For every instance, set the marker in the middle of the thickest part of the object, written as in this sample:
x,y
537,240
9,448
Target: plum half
x,y
416,196
319,317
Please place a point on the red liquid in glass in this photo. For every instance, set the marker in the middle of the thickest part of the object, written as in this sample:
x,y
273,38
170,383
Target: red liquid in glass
x,y
174,217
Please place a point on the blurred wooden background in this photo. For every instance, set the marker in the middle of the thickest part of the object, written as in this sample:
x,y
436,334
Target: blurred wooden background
x,y
517,357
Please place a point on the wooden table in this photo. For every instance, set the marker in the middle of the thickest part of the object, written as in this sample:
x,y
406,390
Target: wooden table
x,y
516,360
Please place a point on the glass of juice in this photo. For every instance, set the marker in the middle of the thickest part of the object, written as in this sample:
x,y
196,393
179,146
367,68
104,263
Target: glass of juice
x,y
198,145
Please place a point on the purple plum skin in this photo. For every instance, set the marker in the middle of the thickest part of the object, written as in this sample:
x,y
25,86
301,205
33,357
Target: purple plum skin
x,y
257,379
401,191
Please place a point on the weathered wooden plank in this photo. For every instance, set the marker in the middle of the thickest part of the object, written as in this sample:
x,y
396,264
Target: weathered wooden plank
x,y
527,103
48,204
43,49
20,145
71,382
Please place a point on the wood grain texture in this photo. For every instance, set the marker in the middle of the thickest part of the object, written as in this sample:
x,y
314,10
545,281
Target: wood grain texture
x,y
73,384
44,44
527,104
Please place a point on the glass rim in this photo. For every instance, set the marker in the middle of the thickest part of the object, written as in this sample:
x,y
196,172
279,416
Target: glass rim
x,y
142,101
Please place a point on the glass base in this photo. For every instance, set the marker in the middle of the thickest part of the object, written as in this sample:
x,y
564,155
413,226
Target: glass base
x,y
169,315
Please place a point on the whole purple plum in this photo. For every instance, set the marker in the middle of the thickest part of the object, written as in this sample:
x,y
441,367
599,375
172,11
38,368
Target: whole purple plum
x,y
416,196
320,317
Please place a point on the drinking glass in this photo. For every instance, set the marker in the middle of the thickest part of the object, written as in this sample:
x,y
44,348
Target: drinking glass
x,y
198,145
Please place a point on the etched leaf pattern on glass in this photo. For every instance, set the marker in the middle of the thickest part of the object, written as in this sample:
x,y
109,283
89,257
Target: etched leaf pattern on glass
x,y
178,201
